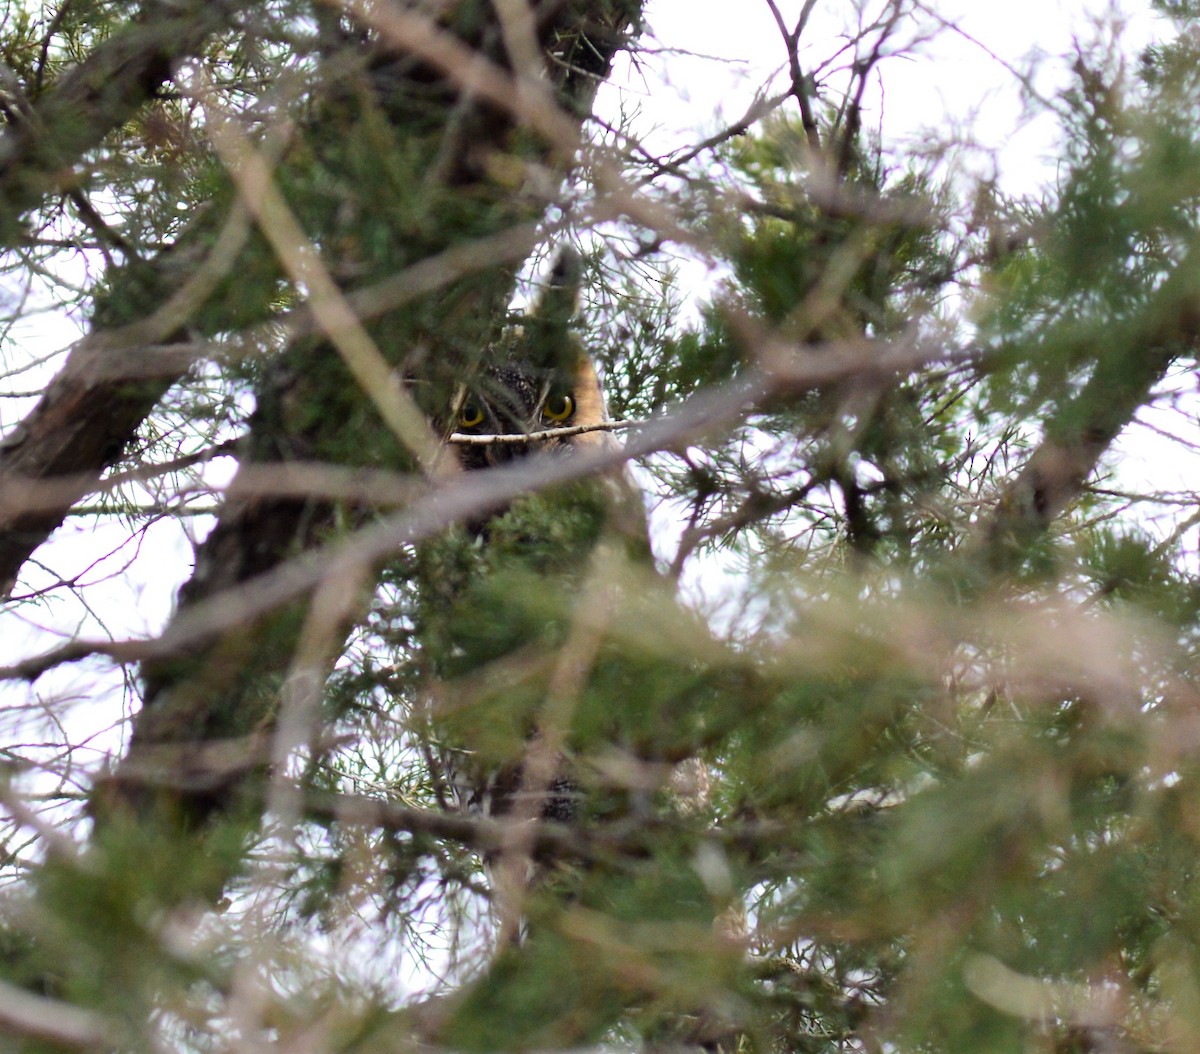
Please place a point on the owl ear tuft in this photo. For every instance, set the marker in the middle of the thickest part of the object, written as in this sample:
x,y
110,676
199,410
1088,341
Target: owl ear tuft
x,y
548,329
566,276
559,302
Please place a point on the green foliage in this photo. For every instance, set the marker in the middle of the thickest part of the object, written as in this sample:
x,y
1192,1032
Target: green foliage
x,y
891,749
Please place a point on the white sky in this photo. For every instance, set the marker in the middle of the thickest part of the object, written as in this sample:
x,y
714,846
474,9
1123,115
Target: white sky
x,y
948,83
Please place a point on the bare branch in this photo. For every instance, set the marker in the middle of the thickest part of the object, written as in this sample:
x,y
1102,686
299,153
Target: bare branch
x,y
302,262
51,1020
456,499
523,438
478,832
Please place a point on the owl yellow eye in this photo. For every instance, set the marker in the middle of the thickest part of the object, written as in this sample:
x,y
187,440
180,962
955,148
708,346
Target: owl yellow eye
x,y
471,415
558,408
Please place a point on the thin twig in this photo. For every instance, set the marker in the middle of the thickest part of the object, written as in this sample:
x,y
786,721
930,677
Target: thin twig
x,y
518,438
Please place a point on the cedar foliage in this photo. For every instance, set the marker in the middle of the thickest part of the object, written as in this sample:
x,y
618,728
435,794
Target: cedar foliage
x,y
890,746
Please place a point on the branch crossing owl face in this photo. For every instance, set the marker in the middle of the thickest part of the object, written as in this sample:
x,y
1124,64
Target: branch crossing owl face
x,y
515,399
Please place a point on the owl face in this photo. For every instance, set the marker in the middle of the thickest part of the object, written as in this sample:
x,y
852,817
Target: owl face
x,y
515,399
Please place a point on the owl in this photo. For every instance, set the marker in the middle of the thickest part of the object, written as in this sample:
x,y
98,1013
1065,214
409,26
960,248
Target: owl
x,y
518,398
539,379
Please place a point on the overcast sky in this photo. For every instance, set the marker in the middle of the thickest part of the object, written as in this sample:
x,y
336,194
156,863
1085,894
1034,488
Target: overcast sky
x,y
964,77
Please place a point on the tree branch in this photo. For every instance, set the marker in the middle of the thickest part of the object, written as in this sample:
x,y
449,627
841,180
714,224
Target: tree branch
x,y
525,438
53,1021
457,498
97,96
1135,359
